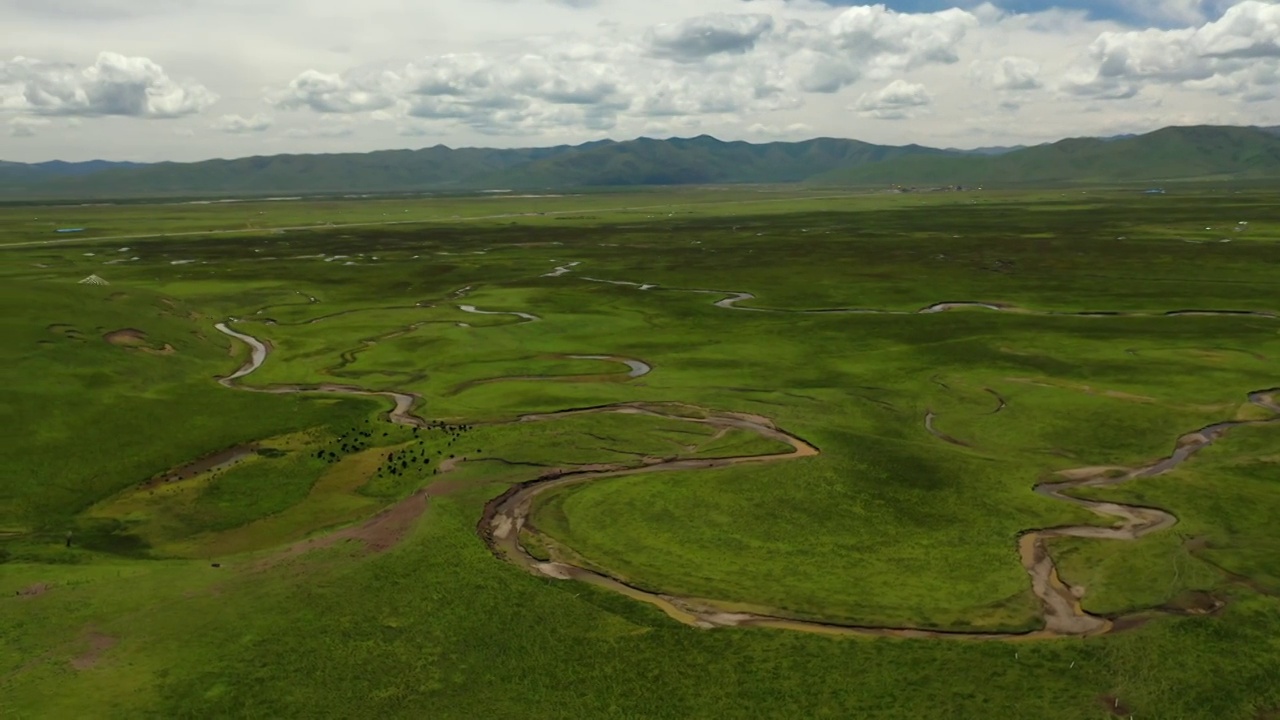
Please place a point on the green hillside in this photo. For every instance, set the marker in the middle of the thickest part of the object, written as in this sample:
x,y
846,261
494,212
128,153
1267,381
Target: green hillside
x,y
701,160
18,175
638,162
1173,153
383,171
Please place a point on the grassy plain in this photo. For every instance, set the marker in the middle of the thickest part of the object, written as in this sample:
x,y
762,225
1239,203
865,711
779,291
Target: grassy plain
x,y
889,526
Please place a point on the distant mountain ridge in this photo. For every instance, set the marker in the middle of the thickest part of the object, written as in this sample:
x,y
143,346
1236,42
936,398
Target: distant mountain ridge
x,y
1172,153
19,173
1167,154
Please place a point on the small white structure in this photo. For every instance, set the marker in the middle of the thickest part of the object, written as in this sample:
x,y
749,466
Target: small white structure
x,y
94,280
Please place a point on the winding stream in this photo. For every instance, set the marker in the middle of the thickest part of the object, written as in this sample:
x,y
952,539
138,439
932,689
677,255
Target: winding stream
x,y
507,515
403,402
561,270
730,299
476,311
636,369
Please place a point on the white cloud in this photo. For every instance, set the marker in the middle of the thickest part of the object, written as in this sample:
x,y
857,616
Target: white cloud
x,y
331,93
871,40
540,72
902,40
239,124
113,85
896,101
1009,73
697,38
723,65
1243,44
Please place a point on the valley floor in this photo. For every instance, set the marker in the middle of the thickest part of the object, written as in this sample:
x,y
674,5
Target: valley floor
x,y
747,457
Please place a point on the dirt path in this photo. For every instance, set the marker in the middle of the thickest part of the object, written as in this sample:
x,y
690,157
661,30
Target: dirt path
x,y
506,516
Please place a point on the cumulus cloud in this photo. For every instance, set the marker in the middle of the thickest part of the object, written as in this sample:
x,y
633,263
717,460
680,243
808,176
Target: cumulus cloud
x,y
552,71
113,85
239,124
902,40
870,40
895,101
719,65
331,93
696,38
718,94
574,86
1242,45
1007,74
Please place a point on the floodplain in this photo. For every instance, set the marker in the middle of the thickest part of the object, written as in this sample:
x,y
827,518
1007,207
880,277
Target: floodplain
x,y
715,453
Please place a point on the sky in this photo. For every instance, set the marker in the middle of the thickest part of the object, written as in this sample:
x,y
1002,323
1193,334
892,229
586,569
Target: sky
x,y
152,80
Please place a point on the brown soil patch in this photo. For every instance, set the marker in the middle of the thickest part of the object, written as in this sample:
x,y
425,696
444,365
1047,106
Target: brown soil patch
x,y
1120,395
445,487
552,473
127,337
33,591
1196,544
217,461
377,534
98,644
1195,602
1124,623
1085,473
1114,706
386,529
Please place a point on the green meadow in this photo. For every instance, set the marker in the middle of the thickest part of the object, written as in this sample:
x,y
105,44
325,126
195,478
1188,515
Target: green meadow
x,y
172,546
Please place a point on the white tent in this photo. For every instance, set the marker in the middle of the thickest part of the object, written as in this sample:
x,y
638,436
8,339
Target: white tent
x,y
94,280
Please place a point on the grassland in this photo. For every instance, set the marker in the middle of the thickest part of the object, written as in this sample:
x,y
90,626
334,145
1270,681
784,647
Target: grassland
x,y
261,587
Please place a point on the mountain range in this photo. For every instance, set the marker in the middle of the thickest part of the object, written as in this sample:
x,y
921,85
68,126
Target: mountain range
x,y
1168,154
